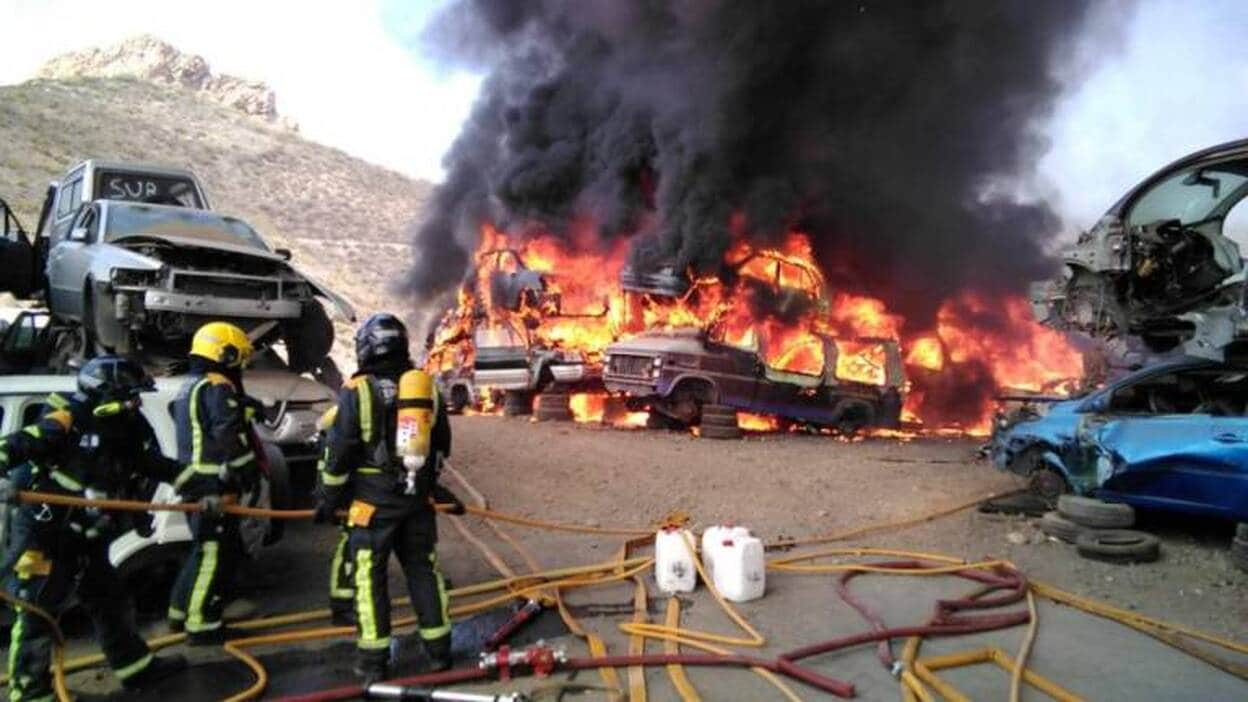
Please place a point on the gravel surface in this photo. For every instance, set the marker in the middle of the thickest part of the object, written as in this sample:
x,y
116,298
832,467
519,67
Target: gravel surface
x,y
780,486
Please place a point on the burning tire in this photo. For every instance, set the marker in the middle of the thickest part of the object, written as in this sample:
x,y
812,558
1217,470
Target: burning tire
x,y
517,403
1091,512
1118,546
553,407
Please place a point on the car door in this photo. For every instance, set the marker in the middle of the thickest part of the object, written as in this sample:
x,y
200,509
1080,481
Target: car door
x,y
68,262
1191,459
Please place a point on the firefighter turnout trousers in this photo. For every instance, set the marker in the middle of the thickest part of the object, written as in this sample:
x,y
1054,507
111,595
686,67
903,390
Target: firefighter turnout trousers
x,y
198,597
412,539
342,577
48,562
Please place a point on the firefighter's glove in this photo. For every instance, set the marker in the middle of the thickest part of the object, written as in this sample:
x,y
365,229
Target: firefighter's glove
x,y
8,492
441,495
211,505
324,513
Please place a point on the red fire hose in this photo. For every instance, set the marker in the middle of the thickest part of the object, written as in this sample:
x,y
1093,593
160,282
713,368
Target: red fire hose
x,y
944,622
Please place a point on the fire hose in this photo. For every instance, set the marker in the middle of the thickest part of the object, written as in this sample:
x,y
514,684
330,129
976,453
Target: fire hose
x,y
783,665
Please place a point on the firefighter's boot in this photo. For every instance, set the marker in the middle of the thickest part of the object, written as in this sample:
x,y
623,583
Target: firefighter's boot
x,y
160,668
438,651
372,666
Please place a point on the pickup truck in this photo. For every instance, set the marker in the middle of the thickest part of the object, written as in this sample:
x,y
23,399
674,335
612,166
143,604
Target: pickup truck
x,y
676,373
129,259
505,361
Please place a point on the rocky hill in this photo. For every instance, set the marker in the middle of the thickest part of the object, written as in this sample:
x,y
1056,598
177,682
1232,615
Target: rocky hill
x,y
343,218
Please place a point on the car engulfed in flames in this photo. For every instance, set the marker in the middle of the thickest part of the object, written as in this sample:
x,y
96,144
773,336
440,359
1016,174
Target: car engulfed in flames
x,y
797,346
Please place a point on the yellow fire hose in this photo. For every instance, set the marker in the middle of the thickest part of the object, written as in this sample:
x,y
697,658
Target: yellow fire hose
x,y
535,584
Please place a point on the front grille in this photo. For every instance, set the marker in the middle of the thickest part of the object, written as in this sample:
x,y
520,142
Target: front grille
x,y
247,288
639,366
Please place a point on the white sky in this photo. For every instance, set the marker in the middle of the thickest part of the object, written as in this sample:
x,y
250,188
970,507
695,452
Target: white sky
x,y
1179,80
336,70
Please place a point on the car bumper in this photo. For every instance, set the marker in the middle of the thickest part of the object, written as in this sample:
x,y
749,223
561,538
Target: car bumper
x,y
631,386
569,373
166,301
503,378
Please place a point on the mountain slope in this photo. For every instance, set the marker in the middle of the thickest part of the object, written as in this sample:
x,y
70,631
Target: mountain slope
x,y
343,218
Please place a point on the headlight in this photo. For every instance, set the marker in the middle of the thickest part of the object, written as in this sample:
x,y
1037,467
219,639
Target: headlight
x,y
127,277
658,361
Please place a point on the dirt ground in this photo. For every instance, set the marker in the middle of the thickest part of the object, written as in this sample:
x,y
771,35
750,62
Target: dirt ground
x,y
782,486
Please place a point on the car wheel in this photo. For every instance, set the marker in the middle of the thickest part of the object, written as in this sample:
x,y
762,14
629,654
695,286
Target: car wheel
x,y
1057,526
459,400
1091,512
1043,480
1118,546
148,576
309,338
69,348
281,496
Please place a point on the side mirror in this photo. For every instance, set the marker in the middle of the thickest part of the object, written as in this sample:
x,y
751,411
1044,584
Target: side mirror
x,y
1096,405
284,253
78,234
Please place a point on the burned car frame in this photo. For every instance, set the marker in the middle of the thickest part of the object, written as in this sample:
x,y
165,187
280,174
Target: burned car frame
x,y
1172,436
676,373
1158,265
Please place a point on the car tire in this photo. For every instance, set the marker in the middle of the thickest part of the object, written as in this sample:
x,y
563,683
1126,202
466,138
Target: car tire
x,y
459,400
1118,546
517,403
309,338
1091,512
148,576
710,410
1057,526
553,407
1239,553
714,431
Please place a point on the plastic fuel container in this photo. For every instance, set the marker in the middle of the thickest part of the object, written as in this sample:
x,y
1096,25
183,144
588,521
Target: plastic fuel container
x,y
713,539
740,570
673,563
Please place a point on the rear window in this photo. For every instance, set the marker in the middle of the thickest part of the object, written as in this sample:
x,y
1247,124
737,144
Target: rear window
x,y
145,187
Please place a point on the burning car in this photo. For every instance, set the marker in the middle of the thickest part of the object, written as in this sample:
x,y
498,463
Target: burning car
x,y
857,384
1173,436
1158,264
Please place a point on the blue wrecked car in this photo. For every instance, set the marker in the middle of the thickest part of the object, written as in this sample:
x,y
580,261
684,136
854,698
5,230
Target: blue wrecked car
x,y
1173,436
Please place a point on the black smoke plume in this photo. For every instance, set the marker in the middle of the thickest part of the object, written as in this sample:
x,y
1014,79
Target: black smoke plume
x,y
882,129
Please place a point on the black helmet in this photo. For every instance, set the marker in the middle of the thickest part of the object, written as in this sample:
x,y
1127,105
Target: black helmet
x,y
113,379
381,337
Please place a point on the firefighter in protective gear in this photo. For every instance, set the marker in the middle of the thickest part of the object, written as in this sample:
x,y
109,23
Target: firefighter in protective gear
x,y
388,498
93,444
342,566
217,452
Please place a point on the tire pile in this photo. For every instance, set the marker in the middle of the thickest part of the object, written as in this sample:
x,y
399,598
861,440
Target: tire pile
x,y
1099,530
719,422
517,403
553,407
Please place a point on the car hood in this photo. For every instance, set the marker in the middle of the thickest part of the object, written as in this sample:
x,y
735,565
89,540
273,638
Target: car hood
x,y
670,342
340,303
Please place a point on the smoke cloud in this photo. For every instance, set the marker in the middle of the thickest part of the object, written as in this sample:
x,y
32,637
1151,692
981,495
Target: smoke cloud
x,y
878,128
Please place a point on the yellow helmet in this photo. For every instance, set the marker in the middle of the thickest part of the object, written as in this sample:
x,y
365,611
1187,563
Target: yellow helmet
x,y
223,343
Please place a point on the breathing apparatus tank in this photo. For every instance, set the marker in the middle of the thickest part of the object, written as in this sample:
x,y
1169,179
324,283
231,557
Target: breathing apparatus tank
x,y
417,411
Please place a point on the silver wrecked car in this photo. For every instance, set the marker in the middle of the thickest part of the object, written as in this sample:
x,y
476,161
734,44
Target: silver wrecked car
x,y
1158,265
131,277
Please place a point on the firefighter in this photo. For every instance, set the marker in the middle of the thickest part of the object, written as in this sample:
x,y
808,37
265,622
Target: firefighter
x,y
388,497
219,462
94,444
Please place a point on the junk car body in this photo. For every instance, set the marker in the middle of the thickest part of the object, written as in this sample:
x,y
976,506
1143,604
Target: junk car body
x,y
1158,264
1172,436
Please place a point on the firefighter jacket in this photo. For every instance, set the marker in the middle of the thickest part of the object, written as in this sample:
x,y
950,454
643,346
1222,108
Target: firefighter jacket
x,y
360,462
70,451
215,442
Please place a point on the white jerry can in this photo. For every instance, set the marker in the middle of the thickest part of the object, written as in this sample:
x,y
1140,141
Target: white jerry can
x,y
673,562
740,569
713,539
